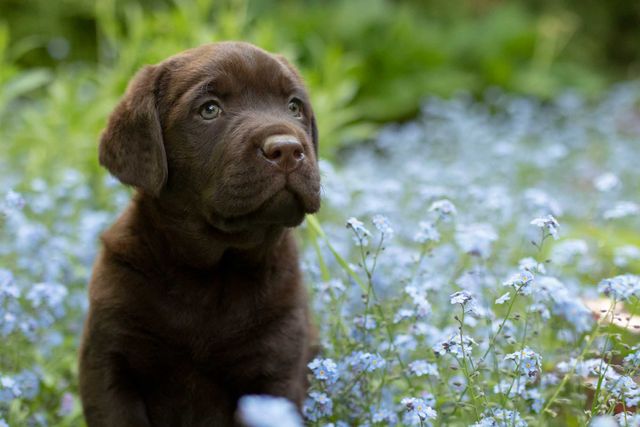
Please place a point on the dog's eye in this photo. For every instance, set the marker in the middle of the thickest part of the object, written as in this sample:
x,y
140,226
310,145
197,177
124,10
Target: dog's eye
x,y
295,108
210,110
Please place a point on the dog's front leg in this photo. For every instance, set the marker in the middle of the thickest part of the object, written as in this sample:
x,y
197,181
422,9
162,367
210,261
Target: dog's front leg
x,y
109,397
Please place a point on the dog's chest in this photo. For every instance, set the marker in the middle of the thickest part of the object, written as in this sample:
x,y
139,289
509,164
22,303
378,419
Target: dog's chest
x,y
208,316
213,304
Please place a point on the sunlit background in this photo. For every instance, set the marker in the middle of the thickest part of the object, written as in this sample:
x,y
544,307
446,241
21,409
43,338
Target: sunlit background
x,y
446,128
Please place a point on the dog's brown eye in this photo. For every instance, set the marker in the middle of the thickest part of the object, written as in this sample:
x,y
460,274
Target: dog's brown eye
x,y
295,108
210,110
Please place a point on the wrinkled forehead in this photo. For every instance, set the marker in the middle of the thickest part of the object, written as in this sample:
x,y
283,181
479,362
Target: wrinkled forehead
x,y
229,70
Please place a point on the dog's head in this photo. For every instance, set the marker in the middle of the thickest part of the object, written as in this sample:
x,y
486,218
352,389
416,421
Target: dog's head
x,y
225,130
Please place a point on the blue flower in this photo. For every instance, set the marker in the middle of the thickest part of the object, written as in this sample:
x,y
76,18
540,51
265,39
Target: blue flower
x,y
444,208
548,224
9,389
382,225
534,397
569,251
384,415
621,210
14,200
604,421
461,297
532,265
633,358
499,417
67,404
324,369
419,407
368,323
504,298
476,239
528,362
628,419
8,289
47,295
521,282
361,233
362,361
8,323
422,308
457,383
620,287
426,233
317,405
624,255
551,291
422,367
606,182
542,201
268,411
29,384
456,346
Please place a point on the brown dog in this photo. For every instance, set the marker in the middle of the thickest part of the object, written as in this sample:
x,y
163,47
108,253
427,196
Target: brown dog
x,y
196,298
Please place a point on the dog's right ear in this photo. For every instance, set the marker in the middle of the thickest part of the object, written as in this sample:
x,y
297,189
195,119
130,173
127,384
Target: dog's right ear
x,y
131,147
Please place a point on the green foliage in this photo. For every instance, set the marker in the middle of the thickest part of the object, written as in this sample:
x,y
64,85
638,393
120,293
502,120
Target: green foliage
x,y
63,65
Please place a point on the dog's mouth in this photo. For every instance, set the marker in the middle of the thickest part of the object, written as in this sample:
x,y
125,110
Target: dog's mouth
x,y
285,207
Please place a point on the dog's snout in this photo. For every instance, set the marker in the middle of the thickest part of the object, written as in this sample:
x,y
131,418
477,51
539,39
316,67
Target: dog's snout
x,y
284,151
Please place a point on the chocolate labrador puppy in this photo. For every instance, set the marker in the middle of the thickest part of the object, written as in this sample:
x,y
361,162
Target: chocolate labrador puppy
x,y
196,298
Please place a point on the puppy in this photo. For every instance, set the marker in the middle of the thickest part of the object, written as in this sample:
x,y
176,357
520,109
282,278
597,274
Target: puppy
x,y
196,298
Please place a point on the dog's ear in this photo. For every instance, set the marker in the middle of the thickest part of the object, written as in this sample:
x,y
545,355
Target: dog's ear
x,y
131,147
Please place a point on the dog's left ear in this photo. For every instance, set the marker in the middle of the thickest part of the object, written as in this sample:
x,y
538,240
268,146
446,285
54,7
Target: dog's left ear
x,y
131,147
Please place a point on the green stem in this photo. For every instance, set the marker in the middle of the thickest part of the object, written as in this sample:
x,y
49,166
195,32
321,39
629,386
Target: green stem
x,y
519,364
595,405
574,367
465,367
493,339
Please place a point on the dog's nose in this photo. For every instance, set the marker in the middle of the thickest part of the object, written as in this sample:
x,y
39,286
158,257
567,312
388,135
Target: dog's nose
x,y
284,151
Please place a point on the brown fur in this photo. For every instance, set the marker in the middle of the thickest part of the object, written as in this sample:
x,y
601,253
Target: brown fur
x,y
196,298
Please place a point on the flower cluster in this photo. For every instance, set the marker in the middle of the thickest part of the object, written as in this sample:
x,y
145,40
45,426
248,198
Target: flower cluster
x,y
527,362
621,287
418,408
433,323
548,224
501,418
324,370
459,300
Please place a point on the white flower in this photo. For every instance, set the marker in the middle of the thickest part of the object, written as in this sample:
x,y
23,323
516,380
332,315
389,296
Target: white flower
x,y
419,407
268,411
504,298
382,225
476,239
548,223
461,297
521,282
621,210
606,182
444,208
426,233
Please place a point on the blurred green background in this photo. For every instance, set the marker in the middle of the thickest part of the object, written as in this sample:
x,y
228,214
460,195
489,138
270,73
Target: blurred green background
x,y
64,63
